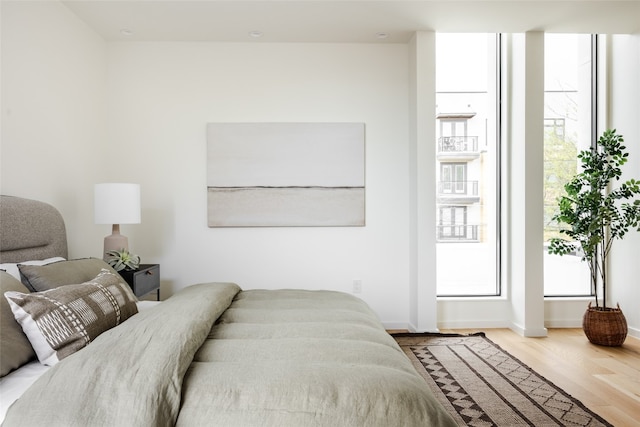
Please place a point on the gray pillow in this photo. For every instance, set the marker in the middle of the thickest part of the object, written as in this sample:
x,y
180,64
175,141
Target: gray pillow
x,y
15,349
40,278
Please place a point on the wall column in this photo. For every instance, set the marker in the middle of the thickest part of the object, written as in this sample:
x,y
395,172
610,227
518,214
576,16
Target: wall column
x,y
423,306
526,140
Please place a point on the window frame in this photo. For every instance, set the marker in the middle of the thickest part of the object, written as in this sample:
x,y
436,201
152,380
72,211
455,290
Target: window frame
x,y
594,128
500,91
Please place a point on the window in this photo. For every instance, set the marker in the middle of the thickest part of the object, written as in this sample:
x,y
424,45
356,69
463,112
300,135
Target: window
x,y
452,128
569,107
453,224
554,128
468,159
453,178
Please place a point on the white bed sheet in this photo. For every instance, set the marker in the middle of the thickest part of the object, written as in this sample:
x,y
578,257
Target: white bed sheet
x,y
13,385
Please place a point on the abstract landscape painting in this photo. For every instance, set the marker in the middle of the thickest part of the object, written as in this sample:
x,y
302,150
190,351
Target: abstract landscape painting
x,y
285,174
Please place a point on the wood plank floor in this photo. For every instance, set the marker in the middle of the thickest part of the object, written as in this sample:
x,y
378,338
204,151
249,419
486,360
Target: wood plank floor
x,y
605,379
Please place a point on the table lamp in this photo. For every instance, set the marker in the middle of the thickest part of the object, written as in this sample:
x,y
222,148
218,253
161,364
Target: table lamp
x,y
115,204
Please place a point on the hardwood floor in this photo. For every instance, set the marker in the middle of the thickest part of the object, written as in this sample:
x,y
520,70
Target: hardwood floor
x,y
605,379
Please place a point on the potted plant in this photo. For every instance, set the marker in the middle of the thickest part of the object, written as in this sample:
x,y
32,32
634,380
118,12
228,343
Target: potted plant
x,y
123,260
595,215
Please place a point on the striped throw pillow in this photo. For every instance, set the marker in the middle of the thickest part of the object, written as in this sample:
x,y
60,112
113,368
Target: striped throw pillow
x,y
60,321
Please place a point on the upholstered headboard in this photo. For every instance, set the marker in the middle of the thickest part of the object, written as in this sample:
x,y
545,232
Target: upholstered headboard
x,y
30,230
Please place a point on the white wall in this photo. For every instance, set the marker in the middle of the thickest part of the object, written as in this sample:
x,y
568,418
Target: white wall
x,y
525,192
53,112
423,305
624,113
160,97
77,111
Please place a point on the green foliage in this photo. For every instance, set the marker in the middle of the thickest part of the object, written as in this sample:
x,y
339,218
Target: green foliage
x,y
123,260
594,213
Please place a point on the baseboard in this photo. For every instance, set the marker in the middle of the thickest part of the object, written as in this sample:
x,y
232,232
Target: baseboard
x,y
395,326
576,323
475,324
447,325
412,328
634,332
536,332
528,332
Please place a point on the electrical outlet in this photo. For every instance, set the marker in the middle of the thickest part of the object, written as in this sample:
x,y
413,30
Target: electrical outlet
x,y
357,286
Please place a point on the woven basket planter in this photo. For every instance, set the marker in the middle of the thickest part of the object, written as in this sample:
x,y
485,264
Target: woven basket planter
x,y
605,327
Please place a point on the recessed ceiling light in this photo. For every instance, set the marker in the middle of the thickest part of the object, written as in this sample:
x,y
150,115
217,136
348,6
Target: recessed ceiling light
x,y
126,32
256,34
382,35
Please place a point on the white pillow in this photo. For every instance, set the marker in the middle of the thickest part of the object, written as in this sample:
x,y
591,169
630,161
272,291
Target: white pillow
x,y
13,270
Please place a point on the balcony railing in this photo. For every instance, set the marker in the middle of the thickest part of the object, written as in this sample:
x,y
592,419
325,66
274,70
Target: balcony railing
x,y
458,144
462,188
457,232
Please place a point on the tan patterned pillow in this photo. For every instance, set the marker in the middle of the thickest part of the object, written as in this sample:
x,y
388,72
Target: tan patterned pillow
x,y
61,321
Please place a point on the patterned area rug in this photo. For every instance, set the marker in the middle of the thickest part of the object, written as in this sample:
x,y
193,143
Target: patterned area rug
x,y
482,385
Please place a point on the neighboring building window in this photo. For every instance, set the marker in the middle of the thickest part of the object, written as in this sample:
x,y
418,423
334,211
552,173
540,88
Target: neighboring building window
x,y
453,224
467,153
554,128
569,107
453,179
452,127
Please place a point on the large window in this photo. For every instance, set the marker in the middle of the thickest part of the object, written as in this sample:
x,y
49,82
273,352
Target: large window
x,y
568,118
467,156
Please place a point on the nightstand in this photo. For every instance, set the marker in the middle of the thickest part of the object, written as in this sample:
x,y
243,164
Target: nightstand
x,y
143,280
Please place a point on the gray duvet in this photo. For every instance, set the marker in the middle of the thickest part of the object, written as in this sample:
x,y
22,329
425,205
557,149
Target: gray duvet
x,y
213,355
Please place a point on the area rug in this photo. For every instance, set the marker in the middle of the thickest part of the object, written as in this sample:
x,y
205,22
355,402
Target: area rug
x,y
480,384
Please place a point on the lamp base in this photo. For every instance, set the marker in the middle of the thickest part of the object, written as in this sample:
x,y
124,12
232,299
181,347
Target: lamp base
x,y
114,242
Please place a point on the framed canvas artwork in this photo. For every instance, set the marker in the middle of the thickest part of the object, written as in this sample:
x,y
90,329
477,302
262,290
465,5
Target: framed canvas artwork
x,y
285,174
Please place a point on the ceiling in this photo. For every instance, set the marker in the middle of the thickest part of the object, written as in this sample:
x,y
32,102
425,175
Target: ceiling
x,y
359,21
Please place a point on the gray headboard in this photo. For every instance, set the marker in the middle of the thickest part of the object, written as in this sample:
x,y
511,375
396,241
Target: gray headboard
x,y
30,230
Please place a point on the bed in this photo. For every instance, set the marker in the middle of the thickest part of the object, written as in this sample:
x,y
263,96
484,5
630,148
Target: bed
x,y
210,355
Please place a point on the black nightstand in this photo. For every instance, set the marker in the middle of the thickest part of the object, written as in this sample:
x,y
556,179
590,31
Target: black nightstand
x,y
143,280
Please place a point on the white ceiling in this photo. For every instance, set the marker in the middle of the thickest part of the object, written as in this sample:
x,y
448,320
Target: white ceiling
x,y
356,21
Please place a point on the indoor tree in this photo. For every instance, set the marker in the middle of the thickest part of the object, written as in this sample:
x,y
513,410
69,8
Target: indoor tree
x,y
592,213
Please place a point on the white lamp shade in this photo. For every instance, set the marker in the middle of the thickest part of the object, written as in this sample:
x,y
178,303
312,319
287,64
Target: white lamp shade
x,y
117,203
